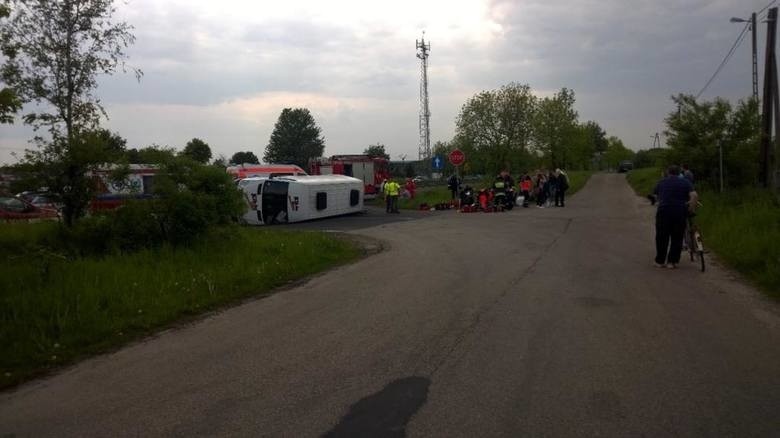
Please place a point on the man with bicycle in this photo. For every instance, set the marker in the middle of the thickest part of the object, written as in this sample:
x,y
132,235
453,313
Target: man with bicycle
x,y
676,197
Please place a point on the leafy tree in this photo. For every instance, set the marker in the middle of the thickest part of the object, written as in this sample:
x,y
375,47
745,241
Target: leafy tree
x,y
616,152
696,130
54,52
376,151
655,157
244,157
498,125
295,140
555,124
9,102
221,161
65,166
153,154
197,150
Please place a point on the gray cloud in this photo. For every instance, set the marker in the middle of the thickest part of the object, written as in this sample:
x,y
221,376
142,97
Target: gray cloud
x,y
623,58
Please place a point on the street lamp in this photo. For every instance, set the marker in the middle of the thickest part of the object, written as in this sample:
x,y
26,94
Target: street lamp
x,y
752,21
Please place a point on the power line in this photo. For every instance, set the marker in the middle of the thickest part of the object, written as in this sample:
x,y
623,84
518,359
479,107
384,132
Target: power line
x,y
767,6
737,42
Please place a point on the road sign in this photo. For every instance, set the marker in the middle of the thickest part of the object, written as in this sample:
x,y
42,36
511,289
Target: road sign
x,y
457,157
437,162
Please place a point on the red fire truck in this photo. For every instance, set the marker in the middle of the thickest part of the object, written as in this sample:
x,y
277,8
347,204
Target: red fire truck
x,y
372,171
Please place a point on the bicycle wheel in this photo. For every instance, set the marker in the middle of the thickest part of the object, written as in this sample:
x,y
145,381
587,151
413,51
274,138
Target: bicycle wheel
x,y
699,246
690,242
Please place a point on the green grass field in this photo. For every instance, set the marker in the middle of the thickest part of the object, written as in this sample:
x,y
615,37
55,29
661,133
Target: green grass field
x,y
54,310
742,226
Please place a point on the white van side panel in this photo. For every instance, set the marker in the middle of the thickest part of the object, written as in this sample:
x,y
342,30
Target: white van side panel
x,y
338,197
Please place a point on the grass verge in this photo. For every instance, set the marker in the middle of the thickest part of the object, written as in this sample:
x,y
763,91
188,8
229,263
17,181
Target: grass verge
x,y
54,310
742,226
643,181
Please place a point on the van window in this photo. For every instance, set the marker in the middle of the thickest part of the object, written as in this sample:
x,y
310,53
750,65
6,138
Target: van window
x,y
354,197
322,200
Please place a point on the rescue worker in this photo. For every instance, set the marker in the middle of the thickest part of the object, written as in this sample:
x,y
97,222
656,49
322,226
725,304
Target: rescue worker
x,y
392,191
499,191
411,187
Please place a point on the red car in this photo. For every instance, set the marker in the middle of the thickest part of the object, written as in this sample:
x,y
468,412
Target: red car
x,y
15,209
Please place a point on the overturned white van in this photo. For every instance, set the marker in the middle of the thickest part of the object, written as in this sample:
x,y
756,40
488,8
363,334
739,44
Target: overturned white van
x,y
287,199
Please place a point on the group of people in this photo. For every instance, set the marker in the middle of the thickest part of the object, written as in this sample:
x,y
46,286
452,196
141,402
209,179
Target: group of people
x,y
546,188
392,191
549,189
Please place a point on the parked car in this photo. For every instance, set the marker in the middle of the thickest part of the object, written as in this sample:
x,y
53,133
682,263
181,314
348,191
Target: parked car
x,y
625,166
419,179
16,209
46,200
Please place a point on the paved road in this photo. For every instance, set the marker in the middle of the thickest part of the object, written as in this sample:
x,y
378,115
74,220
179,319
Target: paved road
x,y
538,322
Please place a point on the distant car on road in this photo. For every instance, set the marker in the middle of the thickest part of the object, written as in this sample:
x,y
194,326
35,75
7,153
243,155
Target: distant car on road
x,y
625,166
16,209
419,178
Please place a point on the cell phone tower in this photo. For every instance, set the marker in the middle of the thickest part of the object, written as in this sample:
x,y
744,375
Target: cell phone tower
x,y
424,151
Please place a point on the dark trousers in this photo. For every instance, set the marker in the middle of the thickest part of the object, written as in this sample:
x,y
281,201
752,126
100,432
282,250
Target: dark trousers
x,y
388,204
669,226
454,193
559,194
393,204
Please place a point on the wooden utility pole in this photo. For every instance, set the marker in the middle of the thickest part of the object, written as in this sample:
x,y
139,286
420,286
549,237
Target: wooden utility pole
x,y
769,103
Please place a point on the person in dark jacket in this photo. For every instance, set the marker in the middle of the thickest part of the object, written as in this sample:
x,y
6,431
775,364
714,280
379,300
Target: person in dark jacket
x,y
453,183
552,188
562,186
676,197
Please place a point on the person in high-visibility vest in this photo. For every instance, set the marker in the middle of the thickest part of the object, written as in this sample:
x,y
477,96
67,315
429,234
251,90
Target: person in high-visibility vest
x,y
392,190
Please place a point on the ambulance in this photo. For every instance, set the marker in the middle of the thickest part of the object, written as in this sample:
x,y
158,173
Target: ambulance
x,y
248,170
287,199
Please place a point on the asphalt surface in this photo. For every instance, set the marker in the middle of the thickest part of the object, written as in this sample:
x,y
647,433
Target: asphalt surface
x,y
536,322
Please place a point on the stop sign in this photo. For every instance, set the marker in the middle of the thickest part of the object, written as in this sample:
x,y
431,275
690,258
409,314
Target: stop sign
x,y
457,157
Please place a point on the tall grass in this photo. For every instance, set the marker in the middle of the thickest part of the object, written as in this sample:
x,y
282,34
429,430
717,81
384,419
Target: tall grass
x,y
54,310
742,226
643,181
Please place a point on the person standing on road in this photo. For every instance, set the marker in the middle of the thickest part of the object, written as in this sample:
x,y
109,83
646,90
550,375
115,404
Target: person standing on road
x,y
540,190
392,191
552,188
526,185
562,186
676,197
453,183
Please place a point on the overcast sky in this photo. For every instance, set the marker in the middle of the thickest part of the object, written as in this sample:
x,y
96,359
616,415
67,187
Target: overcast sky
x,y
223,70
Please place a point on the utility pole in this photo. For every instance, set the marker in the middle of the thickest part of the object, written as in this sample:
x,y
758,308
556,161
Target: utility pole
x,y
656,141
755,58
424,150
769,103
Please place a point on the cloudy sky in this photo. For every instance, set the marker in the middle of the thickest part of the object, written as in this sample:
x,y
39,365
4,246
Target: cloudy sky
x,y
223,70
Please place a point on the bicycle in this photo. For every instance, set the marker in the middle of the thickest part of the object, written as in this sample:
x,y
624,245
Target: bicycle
x,y
693,241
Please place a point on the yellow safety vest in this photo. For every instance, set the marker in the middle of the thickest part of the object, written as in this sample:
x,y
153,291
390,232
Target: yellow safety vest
x,y
392,188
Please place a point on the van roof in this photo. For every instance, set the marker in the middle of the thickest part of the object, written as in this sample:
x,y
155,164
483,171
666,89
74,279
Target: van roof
x,y
312,179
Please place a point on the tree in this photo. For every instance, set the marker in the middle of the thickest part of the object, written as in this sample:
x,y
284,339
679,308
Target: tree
x,y
616,152
555,124
376,151
244,157
295,139
54,52
695,132
154,154
9,102
197,150
498,125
